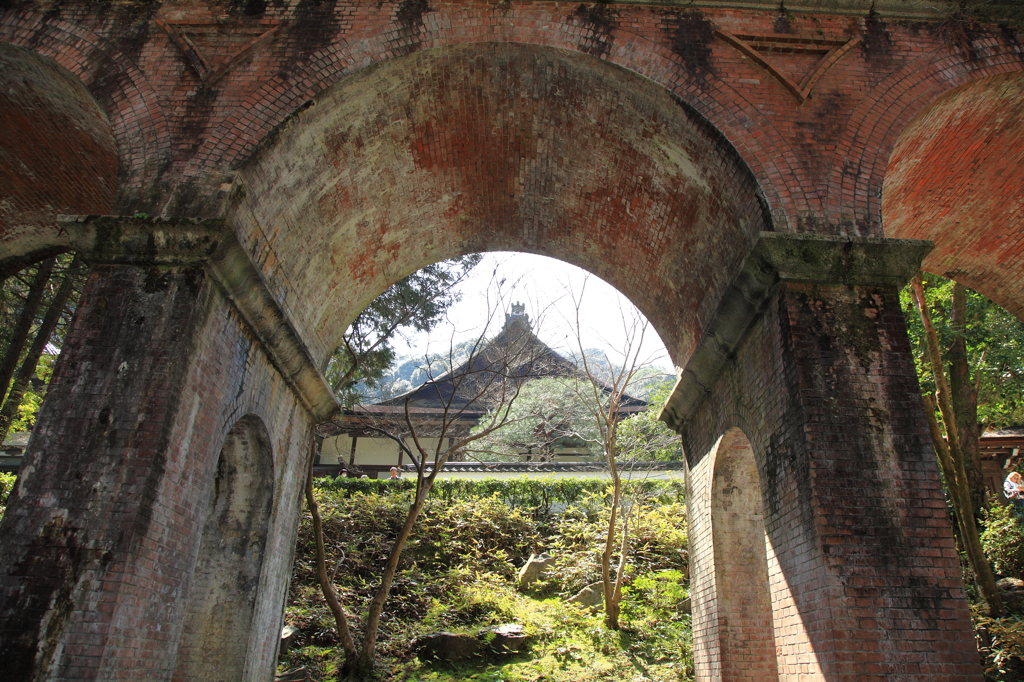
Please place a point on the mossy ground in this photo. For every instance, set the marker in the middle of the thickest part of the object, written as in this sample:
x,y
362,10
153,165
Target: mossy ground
x,y
459,575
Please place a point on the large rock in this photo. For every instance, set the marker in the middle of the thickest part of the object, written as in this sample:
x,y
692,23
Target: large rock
x,y
1012,590
505,639
294,675
288,636
591,596
534,569
447,646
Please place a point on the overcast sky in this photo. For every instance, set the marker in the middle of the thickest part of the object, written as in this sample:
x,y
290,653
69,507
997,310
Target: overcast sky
x,y
546,286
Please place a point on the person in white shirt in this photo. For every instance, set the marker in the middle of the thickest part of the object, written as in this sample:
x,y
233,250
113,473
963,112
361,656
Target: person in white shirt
x,y
1013,488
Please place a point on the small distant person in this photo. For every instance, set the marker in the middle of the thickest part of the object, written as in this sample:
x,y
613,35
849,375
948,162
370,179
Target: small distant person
x,y
1013,488
394,473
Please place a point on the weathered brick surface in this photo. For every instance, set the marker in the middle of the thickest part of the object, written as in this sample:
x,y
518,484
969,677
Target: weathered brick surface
x,y
103,533
865,583
955,177
350,142
57,152
517,148
185,118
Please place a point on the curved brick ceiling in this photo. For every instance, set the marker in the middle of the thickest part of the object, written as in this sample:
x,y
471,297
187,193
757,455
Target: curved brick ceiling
x,y
57,153
489,147
956,177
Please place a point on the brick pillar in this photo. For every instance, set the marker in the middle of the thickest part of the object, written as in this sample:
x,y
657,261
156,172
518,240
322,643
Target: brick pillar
x,y
101,534
809,358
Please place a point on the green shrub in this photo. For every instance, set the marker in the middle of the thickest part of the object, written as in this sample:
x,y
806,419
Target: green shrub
x,y
541,498
658,541
485,533
1001,645
1003,540
458,573
660,594
6,485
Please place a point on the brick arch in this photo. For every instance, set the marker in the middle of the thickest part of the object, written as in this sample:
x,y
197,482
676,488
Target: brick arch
x,y
955,177
768,153
57,155
517,148
861,158
122,90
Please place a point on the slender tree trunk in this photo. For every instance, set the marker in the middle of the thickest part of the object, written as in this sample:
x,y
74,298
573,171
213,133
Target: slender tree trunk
x,y
951,458
964,397
326,585
363,665
28,367
611,603
19,335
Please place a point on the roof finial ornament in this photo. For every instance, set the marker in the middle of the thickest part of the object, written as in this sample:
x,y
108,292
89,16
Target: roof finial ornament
x,y
518,315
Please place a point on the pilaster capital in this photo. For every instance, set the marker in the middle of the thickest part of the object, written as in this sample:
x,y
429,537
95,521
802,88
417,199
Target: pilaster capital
x,y
775,259
128,240
828,259
212,245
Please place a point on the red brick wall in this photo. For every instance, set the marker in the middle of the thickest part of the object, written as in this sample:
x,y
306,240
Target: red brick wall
x,y
569,143
864,576
956,176
185,119
103,532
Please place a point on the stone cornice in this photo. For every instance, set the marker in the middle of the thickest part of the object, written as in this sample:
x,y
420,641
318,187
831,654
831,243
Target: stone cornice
x,y
996,11
776,258
211,243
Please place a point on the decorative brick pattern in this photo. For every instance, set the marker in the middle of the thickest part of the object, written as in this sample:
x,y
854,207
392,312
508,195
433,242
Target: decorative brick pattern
x,y
820,165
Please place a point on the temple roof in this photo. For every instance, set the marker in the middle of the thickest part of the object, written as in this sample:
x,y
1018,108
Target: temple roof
x,y
515,352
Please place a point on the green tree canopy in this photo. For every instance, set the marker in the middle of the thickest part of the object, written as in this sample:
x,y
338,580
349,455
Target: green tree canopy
x,y
643,437
994,341
415,303
550,413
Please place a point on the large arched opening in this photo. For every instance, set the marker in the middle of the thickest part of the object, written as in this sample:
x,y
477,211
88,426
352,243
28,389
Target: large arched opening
x,y
487,147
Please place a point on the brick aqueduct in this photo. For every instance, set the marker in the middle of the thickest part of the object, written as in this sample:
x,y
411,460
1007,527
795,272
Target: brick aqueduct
x,y
243,177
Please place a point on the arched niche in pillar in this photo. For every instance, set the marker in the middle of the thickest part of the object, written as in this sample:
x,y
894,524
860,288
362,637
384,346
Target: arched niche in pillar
x,y
745,628
223,595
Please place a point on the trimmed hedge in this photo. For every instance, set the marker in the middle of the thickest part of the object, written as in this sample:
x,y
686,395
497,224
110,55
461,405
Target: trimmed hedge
x,y
543,497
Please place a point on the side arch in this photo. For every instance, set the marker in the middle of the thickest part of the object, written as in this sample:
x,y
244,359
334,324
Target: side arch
x,y
218,634
955,177
862,156
766,152
121,89
57,155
